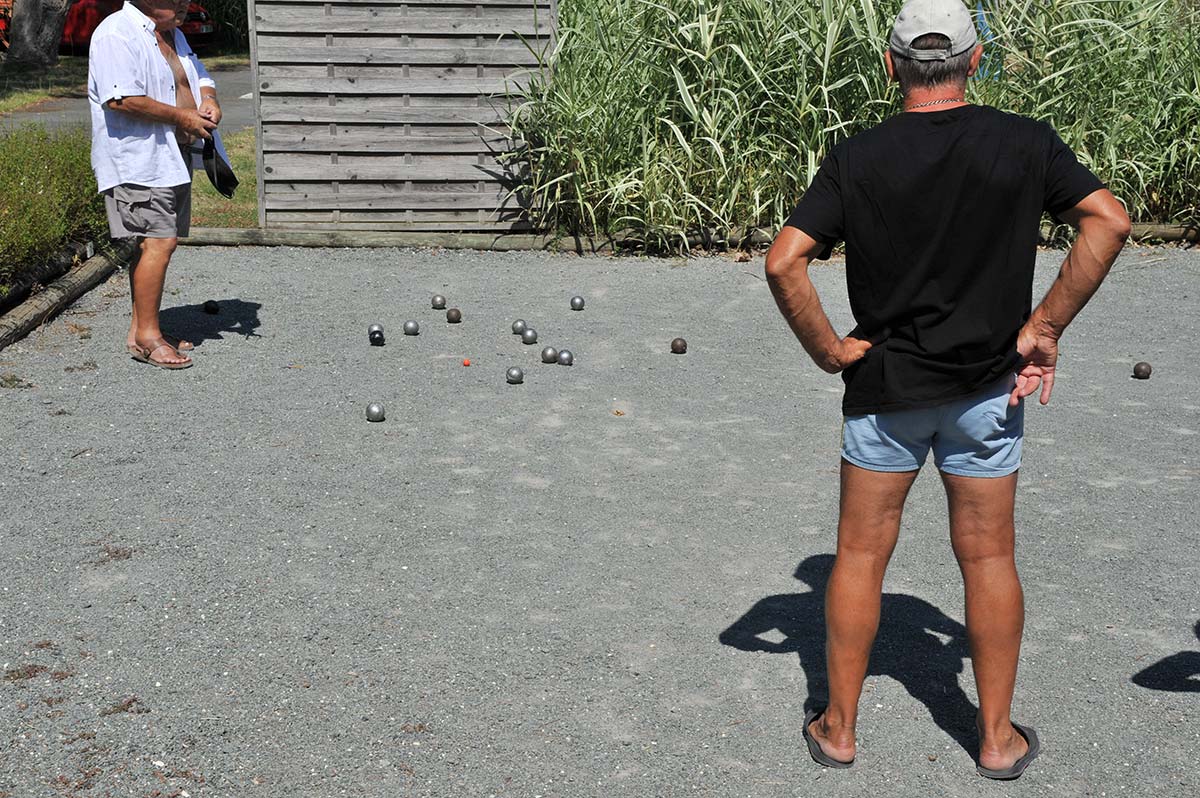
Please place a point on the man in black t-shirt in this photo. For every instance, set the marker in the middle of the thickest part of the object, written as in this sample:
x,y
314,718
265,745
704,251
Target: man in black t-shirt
x,y
939,208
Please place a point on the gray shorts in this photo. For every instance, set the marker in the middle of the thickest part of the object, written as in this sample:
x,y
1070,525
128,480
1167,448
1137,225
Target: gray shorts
x,y
149,211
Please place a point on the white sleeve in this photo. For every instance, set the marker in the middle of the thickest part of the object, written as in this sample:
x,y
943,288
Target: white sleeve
x,y
203,79
114,69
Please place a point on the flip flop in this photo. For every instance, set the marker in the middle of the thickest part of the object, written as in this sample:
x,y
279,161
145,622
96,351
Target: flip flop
x,y
814,748
181,346
1015,770
143,355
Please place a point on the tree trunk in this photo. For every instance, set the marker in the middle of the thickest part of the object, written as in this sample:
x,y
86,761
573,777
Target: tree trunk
x,y
37,29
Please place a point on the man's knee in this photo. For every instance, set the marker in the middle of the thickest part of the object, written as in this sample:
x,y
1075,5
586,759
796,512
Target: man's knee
x,y
160,246
981,540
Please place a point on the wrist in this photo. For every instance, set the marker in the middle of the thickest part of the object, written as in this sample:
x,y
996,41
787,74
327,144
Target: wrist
x,y
1041,327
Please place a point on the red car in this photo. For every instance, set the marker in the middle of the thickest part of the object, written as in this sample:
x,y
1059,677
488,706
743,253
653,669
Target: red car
x,y
5,14
199,27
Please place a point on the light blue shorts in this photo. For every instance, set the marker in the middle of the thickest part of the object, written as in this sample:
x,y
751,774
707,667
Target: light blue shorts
x,y
976,436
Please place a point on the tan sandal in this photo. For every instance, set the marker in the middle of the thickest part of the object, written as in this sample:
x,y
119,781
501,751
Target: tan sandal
x,y
181,346
144,355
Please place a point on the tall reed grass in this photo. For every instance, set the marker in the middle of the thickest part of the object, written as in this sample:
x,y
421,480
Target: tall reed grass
x,y
668,117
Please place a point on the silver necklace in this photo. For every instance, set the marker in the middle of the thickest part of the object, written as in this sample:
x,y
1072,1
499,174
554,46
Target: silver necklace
x,y
936,102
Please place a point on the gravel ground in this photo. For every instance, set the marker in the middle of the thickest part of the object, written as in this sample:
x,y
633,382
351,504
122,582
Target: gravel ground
x,y
603,582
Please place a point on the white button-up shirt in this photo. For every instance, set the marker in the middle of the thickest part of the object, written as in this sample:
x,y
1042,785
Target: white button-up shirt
x,y
124,61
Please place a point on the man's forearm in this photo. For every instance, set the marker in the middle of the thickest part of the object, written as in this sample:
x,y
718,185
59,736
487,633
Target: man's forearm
x,y
798,302
1085,267
146,108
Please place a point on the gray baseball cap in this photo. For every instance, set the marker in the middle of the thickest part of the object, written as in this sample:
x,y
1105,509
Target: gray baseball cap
x,y
919,17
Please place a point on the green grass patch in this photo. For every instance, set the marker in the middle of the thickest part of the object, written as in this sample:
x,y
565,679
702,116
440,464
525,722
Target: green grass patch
x,y
210,209
48,197
21,87
225,61
671,116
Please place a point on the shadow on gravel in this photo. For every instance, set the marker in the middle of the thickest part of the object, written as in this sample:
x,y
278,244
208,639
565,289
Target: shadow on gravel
x,y
909,647
1178,673
192,323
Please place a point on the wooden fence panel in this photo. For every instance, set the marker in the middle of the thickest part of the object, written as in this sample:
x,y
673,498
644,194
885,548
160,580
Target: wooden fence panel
x,y
392,114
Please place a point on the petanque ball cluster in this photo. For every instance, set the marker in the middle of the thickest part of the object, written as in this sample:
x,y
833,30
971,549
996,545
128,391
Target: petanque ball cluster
x,y
514,375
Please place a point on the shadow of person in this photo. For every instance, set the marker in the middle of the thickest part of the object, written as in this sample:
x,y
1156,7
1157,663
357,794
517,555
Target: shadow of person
x,y
1178,673
908,648
190,322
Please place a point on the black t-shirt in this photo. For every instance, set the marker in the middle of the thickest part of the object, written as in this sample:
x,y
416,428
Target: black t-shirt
x,y
940,213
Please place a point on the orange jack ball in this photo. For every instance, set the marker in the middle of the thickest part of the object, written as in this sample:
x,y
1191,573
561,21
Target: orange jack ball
x,y
466,361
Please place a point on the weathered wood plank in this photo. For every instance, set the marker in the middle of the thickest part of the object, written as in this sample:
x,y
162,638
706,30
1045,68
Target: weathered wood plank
x,y
41,273
460,10
463,218
318,187
296,166
373,110
18,322
437,161
395,84
255,65
289,18
348,199
232,237
318,160
273,221
383,139
541,5
392,50
353,142
459,72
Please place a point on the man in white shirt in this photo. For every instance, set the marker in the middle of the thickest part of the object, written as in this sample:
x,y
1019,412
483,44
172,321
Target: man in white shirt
x,y
143,85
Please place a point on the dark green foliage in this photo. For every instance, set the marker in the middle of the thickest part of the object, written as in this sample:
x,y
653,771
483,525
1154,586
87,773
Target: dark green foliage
x,y
47,197
235,29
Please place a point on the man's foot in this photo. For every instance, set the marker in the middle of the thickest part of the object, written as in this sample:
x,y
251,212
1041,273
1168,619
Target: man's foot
x,y
179,344
1000,751
834,743
158,352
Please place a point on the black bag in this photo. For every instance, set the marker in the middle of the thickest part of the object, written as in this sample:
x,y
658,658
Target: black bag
x,y
219,172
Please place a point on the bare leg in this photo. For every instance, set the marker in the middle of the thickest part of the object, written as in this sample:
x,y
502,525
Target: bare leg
x,y
868,526
131,338
981,531
146,282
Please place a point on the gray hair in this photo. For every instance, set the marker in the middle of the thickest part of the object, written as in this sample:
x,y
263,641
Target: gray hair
x,y
914,74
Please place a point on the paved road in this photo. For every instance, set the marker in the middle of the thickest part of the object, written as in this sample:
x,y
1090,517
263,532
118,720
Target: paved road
x,y
232,88
604,582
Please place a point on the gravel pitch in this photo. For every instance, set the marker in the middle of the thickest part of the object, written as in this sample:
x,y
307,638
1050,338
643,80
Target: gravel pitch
x,y
604,581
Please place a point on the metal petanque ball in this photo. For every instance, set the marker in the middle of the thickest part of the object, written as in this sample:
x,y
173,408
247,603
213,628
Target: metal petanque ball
x,y
529,336
211,307
438,302
576,303
565,358
454,315
375,334
519,326
679,346
374,412
515,376
412,328
549,355
1141,371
